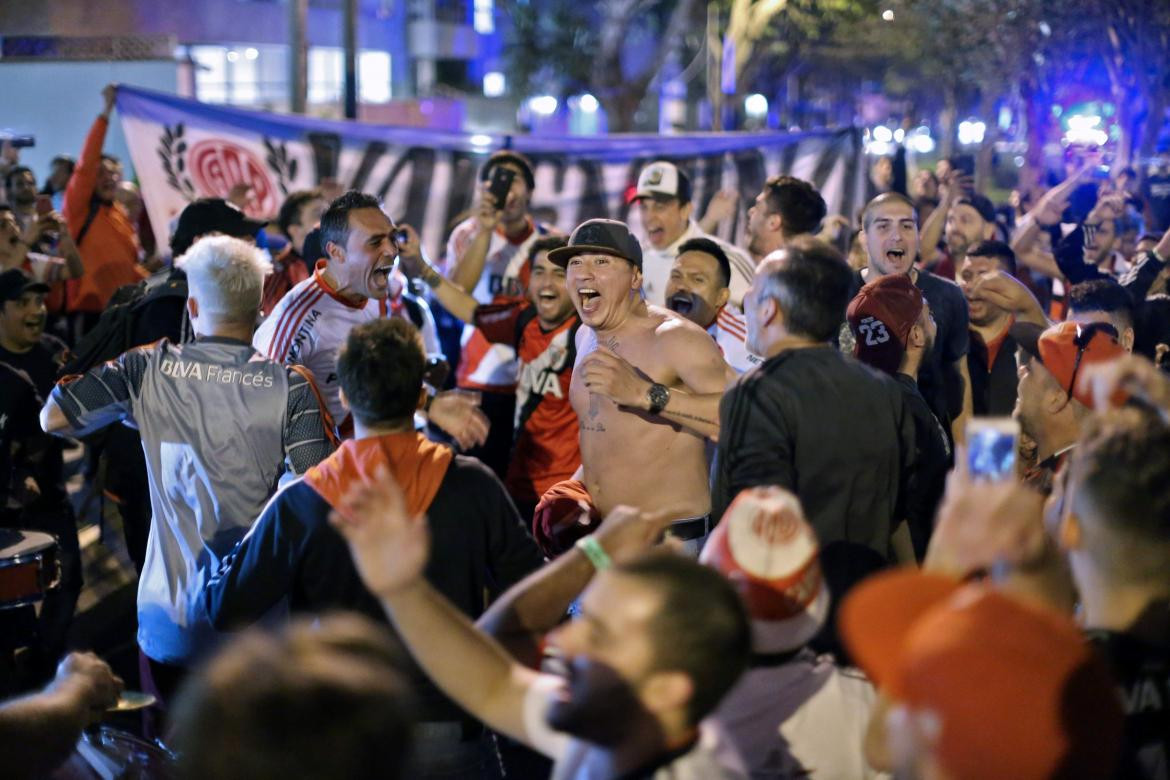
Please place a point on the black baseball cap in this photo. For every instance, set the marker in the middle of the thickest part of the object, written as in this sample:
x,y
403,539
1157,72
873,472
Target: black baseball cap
x,y
15,282
600,236
211,215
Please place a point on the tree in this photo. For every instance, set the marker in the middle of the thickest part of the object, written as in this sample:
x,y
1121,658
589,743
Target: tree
x,y
1137,56
614,48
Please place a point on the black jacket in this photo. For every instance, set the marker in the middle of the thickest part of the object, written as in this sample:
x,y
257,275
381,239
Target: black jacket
x,y
828,428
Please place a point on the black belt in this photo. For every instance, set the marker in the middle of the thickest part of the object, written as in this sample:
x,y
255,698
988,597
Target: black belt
x,y
695,528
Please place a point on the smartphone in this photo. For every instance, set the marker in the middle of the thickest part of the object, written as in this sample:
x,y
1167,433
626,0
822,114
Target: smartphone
x,y
501,184
401,236
992,443
436,372
44,205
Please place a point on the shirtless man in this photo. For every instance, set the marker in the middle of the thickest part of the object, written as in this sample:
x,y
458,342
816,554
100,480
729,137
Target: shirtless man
x,y
646,384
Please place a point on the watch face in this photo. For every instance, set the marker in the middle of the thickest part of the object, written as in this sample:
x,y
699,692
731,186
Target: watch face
x,y
659,395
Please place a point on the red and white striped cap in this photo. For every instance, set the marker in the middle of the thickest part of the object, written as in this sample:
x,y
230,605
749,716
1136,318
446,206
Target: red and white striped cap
x,y
769,552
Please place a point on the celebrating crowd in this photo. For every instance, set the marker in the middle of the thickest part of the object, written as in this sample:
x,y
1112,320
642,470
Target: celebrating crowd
x,y
677,509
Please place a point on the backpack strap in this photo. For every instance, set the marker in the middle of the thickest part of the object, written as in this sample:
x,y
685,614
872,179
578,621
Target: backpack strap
x,y
95,206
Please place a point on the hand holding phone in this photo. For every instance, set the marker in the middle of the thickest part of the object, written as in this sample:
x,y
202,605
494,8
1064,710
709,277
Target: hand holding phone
x,y
991,448
501,185
44,205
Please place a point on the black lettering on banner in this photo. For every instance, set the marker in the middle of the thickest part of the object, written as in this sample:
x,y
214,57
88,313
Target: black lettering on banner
x,y
374,151
326,153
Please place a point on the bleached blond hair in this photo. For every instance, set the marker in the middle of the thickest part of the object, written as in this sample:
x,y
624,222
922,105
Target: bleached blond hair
x,y
226,275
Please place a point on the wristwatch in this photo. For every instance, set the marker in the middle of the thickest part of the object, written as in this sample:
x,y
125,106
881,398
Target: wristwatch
x,y
658,396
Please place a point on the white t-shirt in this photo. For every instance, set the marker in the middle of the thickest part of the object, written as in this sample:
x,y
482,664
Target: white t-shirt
x,y
711,758
730,333
487,366
656,264
806,717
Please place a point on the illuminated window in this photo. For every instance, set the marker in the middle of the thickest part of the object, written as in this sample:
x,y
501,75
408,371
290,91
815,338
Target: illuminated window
x,y
374,76
484,21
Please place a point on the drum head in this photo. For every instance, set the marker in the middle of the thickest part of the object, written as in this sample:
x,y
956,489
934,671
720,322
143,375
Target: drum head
x,y
18,544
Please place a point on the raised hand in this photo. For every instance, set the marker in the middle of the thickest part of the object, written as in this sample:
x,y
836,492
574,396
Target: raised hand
x,y
625,532
487,211
457,412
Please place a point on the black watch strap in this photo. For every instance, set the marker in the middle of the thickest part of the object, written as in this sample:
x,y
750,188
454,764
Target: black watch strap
x,y
659,397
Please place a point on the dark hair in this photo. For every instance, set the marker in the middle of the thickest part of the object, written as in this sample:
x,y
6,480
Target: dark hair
x,y
14,172
1148,237
1121,467
546,244
509,156
290,210
886,197
6,207
111,158
997,249
701,627
335,220
381,370
709,247
812,287
797,202
325,699
1127,171
1105,295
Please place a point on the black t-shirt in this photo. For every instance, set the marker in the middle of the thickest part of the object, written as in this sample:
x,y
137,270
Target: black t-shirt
x,y
41,364
933,459
1142,672
19,406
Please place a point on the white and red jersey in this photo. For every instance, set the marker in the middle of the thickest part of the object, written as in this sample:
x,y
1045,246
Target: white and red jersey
x,y
730,333
310,324
483,365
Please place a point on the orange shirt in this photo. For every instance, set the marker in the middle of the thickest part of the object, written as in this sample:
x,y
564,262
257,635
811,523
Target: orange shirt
x,y
110,248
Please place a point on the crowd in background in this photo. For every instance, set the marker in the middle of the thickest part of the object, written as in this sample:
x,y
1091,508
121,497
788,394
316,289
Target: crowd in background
x,y
622,503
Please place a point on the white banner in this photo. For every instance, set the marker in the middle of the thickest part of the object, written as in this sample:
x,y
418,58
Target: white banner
x,y
183,149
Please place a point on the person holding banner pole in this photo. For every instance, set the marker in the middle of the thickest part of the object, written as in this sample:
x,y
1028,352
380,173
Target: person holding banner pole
x,y
487,257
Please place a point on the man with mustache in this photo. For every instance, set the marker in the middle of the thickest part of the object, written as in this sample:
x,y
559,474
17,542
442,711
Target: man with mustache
x,y
698,290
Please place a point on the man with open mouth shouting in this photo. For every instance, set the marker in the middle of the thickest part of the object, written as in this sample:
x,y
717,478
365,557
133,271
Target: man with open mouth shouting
x,y
646,385
890,233
350,286
698,290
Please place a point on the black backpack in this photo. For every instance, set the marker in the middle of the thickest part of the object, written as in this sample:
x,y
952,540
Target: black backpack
x,y
115,330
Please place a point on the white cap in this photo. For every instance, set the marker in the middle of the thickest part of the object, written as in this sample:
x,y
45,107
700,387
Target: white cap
x,y
662,179
770,553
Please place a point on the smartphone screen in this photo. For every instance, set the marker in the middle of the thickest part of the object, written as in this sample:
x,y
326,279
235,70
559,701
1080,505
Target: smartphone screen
x,y
991,447
44,204
501,184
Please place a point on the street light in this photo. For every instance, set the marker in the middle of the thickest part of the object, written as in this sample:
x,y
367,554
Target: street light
x,y
755,106
544,105
588,103
888,15
971,132
494,84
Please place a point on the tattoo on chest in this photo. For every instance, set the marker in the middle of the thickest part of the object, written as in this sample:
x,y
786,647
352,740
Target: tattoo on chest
x,y
611,343
592,426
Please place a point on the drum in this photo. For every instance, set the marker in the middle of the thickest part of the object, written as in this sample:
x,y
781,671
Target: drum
x,y
28,567
104,753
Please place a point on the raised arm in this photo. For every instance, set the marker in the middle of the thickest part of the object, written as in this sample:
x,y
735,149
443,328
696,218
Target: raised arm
x,y
534,606
932,229
452,295
390,550
468,262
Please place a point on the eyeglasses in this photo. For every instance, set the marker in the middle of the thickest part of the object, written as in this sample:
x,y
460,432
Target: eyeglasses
x,y
1084,337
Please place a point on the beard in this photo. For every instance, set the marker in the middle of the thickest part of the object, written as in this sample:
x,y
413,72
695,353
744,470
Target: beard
x,y
600,706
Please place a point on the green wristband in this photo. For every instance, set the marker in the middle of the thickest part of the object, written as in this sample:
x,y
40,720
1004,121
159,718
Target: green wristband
x,y
594,552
